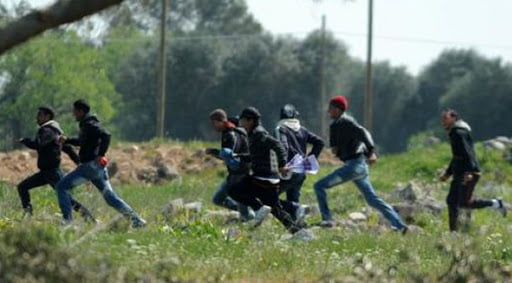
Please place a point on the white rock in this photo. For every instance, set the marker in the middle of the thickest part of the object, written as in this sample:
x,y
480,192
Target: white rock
x,y
357,217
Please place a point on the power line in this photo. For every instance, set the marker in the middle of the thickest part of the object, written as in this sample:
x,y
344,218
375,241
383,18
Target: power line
x,y
345,33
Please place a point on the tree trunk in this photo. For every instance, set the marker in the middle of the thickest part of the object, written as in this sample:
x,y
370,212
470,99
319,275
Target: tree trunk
x,y
36,22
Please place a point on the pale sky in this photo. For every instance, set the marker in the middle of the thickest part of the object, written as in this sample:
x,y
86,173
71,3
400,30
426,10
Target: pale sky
x,y
406,32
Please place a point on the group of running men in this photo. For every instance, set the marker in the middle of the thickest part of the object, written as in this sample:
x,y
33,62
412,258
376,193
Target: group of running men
x,y
257,165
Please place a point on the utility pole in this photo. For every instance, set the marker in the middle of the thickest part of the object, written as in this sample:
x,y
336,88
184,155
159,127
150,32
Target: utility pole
x,y
368,99
160,105
323,98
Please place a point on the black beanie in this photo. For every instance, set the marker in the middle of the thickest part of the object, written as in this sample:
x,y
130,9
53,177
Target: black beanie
x,y
82,105
250,113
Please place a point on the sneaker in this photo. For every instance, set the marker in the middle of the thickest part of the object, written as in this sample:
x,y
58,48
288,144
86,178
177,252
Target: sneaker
x,y
138,223
261,214
502,208
301,213
27,212
403,230
250,216
327,224
87,215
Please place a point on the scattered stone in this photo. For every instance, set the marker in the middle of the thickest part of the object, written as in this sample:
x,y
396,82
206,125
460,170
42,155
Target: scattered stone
x,y
495,145
193,206
505,140
166,172
357,217
409,193
173,207
303,235
224,215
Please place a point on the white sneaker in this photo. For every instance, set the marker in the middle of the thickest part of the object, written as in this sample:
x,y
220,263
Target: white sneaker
x,y
301,213
261,214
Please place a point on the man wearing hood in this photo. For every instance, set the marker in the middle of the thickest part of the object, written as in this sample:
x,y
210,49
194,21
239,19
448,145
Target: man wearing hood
x,y
353,145
48,161
295,138
267,156
464,169
93,141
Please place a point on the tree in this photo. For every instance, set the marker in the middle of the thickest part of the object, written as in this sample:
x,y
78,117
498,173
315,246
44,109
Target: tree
x,y
53,70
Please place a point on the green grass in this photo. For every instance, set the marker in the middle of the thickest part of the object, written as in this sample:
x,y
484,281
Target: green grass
x,y
189,247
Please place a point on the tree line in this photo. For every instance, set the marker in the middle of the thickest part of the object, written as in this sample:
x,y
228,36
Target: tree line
x,y
219,56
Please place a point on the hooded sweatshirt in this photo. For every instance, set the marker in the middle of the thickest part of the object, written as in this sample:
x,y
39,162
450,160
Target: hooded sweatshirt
x,y
93,139
48,148
295,138
463,152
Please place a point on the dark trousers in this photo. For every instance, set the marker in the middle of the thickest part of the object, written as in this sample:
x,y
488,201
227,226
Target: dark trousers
x,y
292,187
221,197
461,196
256,193
46,177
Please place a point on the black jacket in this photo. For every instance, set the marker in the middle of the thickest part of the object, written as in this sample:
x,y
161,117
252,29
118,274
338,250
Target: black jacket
x,y
463,152
235,139
48,148
267,154
350,139
93,139
295,139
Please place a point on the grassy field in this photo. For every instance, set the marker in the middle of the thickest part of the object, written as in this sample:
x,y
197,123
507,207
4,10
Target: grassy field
x,y
186,248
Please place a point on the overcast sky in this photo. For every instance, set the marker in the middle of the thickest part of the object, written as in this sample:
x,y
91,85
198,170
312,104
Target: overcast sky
x,y
407,32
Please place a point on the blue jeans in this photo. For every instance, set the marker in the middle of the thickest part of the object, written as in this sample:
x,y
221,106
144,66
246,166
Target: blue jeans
x,y
355,170
98,175
221,197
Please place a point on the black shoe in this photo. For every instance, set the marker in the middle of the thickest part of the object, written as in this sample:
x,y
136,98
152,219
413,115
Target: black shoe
x,y
87,215
502,208
27,212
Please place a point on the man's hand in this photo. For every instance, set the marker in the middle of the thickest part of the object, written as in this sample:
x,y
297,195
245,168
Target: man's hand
x,y
62,139
468,177
372,159
284,171
102,160
444,177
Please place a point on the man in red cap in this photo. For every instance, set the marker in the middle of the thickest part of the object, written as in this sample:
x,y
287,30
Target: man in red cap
x,y
353,145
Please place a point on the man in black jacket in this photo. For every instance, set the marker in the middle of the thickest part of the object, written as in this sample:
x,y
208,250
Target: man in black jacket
x,y
464,168
48,161
295,138
260,191
234,143
353,145
93,141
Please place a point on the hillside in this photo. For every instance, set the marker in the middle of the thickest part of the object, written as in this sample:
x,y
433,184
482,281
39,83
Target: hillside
x,y
198,243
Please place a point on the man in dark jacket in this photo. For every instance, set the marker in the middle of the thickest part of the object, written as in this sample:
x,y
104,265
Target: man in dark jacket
x,y
93,141
260,191
48,161
234,144
464,169
295,139
353,145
